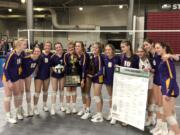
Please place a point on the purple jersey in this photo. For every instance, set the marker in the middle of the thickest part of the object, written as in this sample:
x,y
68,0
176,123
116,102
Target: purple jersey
x,y
58,63
12,69
131,62
28,66
109,65
167,74
98,64
44,65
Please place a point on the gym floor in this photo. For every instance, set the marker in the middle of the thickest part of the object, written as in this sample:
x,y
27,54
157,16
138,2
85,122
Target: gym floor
x,y
62,124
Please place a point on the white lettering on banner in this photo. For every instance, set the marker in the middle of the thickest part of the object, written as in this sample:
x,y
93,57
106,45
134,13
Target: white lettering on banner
x,y
130,90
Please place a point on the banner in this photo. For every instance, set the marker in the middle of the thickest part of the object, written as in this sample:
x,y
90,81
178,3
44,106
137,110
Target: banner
x,y
130,89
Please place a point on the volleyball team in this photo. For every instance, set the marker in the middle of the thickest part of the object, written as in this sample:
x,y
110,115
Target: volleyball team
x,y
94,70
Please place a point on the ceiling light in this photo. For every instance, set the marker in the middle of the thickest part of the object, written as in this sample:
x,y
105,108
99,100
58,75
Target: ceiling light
x,y
23,1
10,10
120,6
81,8
39,9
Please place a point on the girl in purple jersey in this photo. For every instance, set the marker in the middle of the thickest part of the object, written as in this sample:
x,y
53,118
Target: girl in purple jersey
x,y
42,77
29,65
11,75
97,82
109,60
156,95
169,89
57,77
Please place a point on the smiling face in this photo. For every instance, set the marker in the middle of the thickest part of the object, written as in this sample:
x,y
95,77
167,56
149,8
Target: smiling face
x,y
147,46
71,48
159,49
108,51
47,47
141,52
78,48
95,49
37,52
125,48
58,48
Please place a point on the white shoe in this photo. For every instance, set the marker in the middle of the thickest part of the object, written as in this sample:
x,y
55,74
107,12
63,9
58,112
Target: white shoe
x,y
81,112
10,119
36,111
45,108
156,128
74,110
29,111
86,115
98,119
68,110
150,121
94,116
53,112
62,109
108,118
171,132
113,122
19,115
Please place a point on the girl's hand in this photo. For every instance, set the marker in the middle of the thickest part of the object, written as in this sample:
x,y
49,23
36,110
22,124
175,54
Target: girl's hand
x,y
82,83
91,76
146,69
10,84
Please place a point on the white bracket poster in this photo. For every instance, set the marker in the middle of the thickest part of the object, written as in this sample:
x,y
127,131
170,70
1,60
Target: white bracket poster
x,y
130,89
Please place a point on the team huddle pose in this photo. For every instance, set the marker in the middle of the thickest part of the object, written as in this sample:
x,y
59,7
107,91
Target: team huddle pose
x,y
93,69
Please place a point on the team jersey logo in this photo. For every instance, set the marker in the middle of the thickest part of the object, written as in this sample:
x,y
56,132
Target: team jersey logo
x,y
46,60
154,62
127,63
109,64
18,61
33,65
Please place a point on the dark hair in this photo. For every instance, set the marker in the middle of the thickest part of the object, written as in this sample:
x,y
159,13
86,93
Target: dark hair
x,y
37,46
150,41
128,43
166,47
111,46
48,42
82,45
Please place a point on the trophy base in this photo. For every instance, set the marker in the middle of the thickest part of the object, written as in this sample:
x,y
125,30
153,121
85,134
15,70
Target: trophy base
x,y
72,81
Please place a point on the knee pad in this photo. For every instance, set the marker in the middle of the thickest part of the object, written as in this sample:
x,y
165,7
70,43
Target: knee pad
x,y
61,93
151,108
17,97
161,110
97,99
83,95
7,99
54,93
45,93
73,93
87,96
171,120
28,95
68,93
36,95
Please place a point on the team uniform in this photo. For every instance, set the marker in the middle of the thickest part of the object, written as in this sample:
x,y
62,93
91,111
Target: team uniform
x,y
12,69
28,66
169,86
44,65
109,65
145,64
58,63
131,62
155,61
95,68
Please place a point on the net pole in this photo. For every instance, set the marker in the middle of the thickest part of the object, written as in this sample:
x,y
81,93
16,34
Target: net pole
x,y
134,33
28,35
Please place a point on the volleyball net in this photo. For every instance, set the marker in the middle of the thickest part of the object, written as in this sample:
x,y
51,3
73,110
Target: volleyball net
x,y
171,37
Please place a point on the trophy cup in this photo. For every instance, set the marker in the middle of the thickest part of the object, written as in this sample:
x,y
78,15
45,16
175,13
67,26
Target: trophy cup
x,y
74,78
91,69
